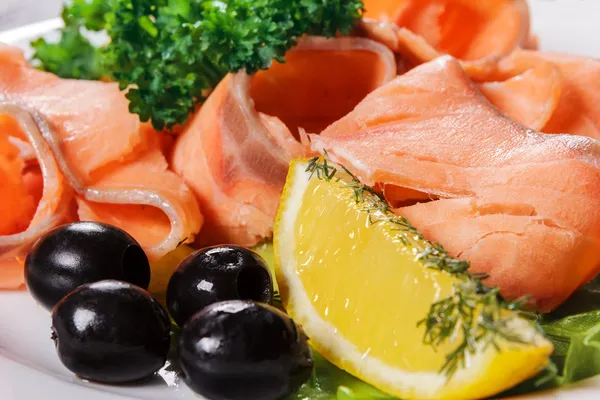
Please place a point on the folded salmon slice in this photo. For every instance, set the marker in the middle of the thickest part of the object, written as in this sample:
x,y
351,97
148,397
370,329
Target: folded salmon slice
x,y
79,110
35,200
145,198
466,29
526,89
547,92
19,206
235,152
519,205
110,160
578,111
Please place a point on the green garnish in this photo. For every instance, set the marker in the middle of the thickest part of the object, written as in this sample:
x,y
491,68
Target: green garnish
x,y
86,13
475,310
74,56
175,52
331,383
169,54
277,299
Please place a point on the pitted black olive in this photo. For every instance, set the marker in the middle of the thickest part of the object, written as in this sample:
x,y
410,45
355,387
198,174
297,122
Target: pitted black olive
x,y
111,332
217,274
83,252
243,350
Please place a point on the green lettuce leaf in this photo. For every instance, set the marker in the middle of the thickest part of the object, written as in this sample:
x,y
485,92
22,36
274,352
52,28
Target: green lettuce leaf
x,y
331,383
574,329
577,346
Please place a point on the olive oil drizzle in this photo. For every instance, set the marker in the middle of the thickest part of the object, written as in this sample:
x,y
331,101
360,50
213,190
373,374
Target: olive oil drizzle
x,y
474,310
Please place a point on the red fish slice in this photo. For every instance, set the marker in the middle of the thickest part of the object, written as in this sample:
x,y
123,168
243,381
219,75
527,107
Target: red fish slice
x,y
521,206
111,160
53,207
235,151
465,29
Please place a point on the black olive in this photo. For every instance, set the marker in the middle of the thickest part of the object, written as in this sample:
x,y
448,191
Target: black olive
x,y
83,252
111,332
217,274
243,350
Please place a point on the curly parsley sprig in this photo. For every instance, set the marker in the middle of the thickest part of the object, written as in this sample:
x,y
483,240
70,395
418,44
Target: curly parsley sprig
x,y
73,56
169,54
173,53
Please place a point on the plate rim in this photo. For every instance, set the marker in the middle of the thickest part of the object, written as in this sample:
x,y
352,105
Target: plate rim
x,y
587,387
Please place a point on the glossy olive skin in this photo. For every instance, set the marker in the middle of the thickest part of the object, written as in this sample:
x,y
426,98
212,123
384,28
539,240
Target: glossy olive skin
x,y
243,350
82,252
216,274
111,332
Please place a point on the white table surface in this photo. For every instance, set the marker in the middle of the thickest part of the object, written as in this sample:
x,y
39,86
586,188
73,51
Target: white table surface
x,y
15,13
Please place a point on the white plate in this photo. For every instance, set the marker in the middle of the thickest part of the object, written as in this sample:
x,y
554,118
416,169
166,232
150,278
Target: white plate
x,y
29,367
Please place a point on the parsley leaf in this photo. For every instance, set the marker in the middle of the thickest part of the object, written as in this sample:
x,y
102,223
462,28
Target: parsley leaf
x,y
73,56
169,54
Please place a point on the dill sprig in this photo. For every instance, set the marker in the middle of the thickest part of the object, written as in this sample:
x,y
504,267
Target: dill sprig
x,y
432,255
320,167
277,299
474,312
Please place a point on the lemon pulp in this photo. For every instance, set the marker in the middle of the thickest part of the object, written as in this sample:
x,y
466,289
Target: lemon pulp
x,y
360,290
375,263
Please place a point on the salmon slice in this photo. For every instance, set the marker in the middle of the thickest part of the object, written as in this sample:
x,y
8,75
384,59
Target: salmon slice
x,y
151,202
113,162
578,111
527,88
141,196
465,29
522,206
235,152
342,73
546,92
551,93
398,196
34,200
412,50
91,138
33,181
19,205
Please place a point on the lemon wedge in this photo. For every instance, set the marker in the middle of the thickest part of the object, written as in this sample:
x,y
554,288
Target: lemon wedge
x,y
163,269
384,304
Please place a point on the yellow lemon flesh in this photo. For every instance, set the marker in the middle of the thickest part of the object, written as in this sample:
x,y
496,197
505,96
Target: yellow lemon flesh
x,y
162,270
356,280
